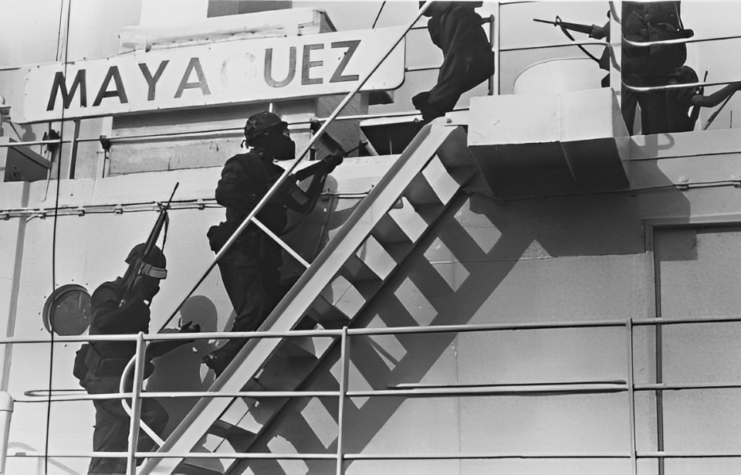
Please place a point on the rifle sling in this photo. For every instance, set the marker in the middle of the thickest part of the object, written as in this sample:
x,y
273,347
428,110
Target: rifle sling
x,y
568,35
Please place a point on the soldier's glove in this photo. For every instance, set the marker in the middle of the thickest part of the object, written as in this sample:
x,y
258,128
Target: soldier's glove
x,y
189,327
160,348
332,161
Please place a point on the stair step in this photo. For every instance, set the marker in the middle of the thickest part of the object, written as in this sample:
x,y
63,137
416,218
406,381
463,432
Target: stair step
x,y
239,439
368,288
326,313
370,262
440,180
341,295
399,252
454,151
408,220
203,466
420,192
388,231
298,347
284,373
464,175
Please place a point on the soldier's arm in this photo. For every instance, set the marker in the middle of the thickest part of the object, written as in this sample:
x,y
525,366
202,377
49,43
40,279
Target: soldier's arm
x,y
599,32
303,201
161,348
109,318
717,97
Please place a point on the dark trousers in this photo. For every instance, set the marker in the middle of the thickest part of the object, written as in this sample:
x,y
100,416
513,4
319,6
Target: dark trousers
x,y
456,77
653,104
253,285
112,432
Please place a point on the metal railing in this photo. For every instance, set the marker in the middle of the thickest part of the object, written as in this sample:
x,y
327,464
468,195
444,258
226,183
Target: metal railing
x,y
342,393
592,387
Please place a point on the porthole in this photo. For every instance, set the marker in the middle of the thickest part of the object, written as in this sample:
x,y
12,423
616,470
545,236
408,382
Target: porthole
x,y
68,311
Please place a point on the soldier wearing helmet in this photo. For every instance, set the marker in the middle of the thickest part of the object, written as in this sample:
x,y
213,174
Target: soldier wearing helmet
x,y
250,269
99,365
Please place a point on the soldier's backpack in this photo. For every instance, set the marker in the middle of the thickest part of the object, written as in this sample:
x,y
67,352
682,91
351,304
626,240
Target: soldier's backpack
x,y
648,22
79,369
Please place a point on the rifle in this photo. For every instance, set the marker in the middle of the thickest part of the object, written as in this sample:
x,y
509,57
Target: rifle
x,y
571,26
138,265
574,27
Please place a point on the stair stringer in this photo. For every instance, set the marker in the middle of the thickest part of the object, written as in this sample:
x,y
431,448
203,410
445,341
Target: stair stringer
x,y
294,305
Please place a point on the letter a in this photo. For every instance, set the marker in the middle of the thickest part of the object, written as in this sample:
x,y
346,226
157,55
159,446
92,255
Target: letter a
x,y
119,92
201,84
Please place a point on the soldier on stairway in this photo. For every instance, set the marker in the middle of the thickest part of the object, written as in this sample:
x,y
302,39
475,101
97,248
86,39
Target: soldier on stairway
x,y
250,268
468,60
120,308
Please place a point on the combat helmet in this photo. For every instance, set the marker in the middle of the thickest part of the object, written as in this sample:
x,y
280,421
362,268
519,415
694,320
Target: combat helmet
x,y
155,263
259,123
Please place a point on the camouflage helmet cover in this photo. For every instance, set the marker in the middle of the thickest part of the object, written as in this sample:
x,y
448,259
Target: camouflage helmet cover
x,y
259,123
156,258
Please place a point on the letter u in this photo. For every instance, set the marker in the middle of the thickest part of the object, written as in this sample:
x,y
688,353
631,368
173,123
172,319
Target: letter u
x,y
269,68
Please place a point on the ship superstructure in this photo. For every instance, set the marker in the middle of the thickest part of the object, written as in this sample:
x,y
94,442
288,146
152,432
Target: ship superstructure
x,y
520,286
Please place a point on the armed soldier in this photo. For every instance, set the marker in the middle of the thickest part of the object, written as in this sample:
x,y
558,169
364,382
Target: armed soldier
x,y
250,269
468,60
122,307
677,109
652,65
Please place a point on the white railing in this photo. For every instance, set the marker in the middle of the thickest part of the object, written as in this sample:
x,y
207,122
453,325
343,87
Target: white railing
x,y
345,334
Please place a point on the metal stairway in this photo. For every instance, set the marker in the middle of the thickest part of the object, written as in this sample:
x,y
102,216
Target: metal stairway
x,y
376,238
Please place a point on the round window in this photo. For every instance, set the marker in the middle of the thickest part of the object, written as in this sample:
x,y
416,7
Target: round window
x,y
68,311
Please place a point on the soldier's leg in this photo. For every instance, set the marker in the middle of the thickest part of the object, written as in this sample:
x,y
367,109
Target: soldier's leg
x,y
243,283
110,435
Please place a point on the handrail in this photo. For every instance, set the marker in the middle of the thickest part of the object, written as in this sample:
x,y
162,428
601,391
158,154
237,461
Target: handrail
x,y
401,330
386,456
569,387
677,86
644,44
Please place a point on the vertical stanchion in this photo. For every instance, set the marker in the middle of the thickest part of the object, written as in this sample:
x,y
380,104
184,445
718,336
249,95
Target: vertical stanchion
x,y
73,150
631,399
6,411
135,404
497,47
492,44
344,357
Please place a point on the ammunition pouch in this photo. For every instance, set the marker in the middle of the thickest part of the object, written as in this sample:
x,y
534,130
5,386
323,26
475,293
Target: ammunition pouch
x,y
98,365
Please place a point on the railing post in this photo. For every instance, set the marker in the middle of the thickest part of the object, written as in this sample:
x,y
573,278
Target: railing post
x,y
6,411
631,399
73,150
494,43
135,404
344,359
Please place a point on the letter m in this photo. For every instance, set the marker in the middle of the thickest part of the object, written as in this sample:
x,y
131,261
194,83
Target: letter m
x,y
67,96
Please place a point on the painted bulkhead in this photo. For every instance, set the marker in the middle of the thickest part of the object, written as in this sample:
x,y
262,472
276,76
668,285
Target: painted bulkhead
x,y
569,251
